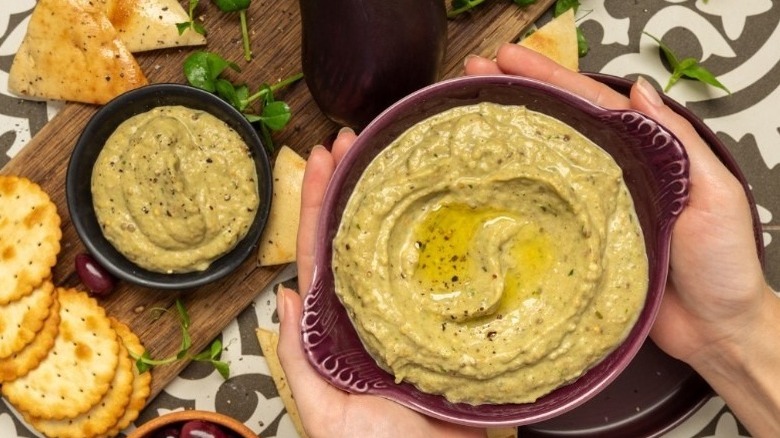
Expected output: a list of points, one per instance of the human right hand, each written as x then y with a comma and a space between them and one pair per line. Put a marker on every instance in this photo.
718, 314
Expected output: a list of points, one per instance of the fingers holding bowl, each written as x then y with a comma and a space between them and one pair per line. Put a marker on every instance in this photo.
319, 169
513, 59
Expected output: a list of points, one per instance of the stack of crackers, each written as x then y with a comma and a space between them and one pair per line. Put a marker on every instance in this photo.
82, 50
65, 365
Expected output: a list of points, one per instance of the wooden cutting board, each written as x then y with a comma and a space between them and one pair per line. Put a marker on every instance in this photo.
275, 30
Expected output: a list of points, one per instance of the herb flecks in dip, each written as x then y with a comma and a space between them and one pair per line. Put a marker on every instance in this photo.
174, 189
490, 254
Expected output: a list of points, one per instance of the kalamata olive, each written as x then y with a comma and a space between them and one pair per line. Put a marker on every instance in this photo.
99, 281
201, 429
360, 56
168, 432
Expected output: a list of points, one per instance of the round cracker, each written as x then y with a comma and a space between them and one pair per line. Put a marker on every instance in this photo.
78, 370
142, 382
20, 363
29, 236
21, 319
101, 417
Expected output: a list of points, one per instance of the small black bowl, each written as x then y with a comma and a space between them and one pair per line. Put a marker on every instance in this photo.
79, 176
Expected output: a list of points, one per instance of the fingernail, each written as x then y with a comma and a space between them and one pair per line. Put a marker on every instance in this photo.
281, 301
346, 130
648, 91
468, 58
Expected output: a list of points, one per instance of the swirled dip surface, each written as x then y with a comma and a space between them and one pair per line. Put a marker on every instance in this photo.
490, 254
174, 189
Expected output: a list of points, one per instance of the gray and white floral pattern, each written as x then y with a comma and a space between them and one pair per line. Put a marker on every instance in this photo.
739, 41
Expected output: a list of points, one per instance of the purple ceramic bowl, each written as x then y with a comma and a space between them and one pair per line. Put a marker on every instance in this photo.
655, 168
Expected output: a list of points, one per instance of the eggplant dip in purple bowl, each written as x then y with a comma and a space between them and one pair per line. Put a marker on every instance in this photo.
491, 254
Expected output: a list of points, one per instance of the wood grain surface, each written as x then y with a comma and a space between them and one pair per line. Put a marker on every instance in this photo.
275, 30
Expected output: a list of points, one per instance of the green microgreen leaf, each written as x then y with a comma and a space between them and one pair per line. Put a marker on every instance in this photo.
191, 23
583, 47
222, 368
703, 75
232, 5
145, 362
241, 7
524, 2
276, 115
184, 317
205, 69
686, 68
227, 91
212, 355
562, 6
461, 6
142, 362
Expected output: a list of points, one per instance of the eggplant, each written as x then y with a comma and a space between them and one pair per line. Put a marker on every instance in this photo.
360, 56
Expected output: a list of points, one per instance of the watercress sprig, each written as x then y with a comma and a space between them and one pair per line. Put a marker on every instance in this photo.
191, 23
241, 7
562, 6
144, 362
686, 67
461, 6
205, 70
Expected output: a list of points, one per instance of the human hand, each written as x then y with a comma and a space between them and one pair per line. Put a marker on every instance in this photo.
325, 410
718, 314
716, 286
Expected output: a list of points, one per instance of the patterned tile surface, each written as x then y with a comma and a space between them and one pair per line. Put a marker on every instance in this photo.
737, 41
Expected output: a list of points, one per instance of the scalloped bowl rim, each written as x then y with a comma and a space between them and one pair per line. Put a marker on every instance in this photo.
487, 414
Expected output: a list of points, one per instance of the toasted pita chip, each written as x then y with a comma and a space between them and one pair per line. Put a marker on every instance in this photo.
29, 237
278, 242
269, 340
141, 381
502, 432
72, 52
557, 40
20, 320
79, 368
19, 364
151, 24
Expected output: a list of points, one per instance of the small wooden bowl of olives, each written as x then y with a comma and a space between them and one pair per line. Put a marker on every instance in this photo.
193, 424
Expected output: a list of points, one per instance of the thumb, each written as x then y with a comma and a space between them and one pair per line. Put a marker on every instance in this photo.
705, 167
308, 387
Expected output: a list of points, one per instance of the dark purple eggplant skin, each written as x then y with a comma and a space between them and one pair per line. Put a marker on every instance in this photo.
361, 56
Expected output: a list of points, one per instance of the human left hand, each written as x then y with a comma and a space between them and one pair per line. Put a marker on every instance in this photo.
325, 410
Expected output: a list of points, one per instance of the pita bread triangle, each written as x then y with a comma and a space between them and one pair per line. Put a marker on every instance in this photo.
280, 236
72, 52
151, 24
557, 40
